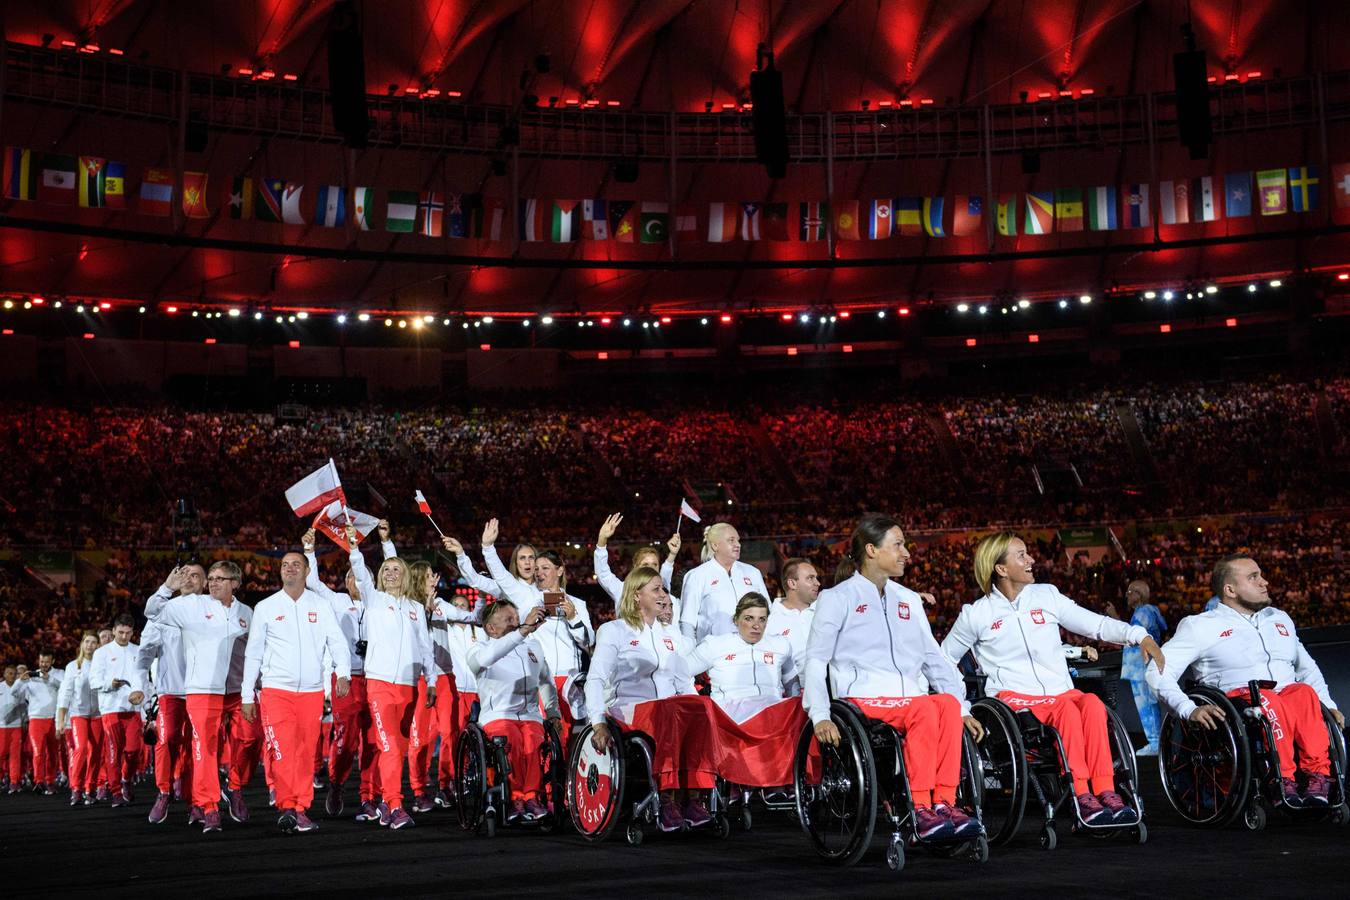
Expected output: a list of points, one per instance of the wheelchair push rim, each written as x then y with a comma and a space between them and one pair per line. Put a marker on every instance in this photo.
472, 784
1206, 774
1004, 771
838, 811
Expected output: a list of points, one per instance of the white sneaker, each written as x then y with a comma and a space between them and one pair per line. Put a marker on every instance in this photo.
1149, 750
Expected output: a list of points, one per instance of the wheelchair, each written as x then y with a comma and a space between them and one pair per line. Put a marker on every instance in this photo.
741, 800
1022, 759
864, 776
483, 790
1213, 777
617, 786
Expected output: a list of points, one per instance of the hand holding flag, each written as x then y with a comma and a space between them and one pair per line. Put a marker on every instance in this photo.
335, 519
425, 509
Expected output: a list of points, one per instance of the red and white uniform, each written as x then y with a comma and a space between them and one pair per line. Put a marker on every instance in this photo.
121, 719
214, 640
513, 680
162, 664
11, 731
613, 585
460, 639
398, 653
286, 649
439, 720
739, 670
41, 695
709, 596
878, 651
792, 625
1017, 645
1226, 649
78, 700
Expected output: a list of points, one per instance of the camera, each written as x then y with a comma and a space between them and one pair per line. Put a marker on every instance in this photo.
361, 648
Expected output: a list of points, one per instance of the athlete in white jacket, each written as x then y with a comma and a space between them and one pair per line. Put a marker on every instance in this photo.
711, 591
40, 688
293, 630
1245, 639
1013, 633
11, 729
114, 675
164, 647
76, 710
513, 681
745, 665
642, 556
872, 638
790, 615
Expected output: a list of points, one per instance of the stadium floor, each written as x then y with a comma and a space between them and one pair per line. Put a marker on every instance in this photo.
53, 850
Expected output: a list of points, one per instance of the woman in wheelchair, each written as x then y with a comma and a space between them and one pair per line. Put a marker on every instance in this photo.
513, 678
639, 678
746, 665
1013, 633
871, 636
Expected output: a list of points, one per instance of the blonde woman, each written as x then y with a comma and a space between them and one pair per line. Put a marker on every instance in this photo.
1013, 633
712, 590
398, 652
76, 707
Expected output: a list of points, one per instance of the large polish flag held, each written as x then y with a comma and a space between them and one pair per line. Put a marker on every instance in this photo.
315, 491
333, 519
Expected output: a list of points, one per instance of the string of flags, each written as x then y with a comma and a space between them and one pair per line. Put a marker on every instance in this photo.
97, 183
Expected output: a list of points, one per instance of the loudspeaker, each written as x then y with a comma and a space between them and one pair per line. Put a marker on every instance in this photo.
626, 171
770, 120
195, 135
347, 74
1192, 93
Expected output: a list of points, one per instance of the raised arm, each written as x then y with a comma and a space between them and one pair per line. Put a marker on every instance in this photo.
172, 585
365, 583
480, 583
386, 545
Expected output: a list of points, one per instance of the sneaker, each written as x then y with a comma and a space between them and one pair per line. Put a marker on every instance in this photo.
48, 790
1318, 792
211, 821
119, 800
963, 826
423, 803
534, 810
369, 812
1092, 811
320, 781
196, 815
386, 815
102, 793
332, 804
1121, 814
517, 810
286, 821
696, 813
400, 819
178, 789
930, 825
272, 798
1289, 788
303, 823
670, 819
1147, 750
76, 798
159, 813
445, 797
89, 800
238, 810
126, 791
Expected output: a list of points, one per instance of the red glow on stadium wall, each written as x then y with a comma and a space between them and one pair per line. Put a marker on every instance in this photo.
1165, 329
88, 335
792, 351
904, 310
292, 344
8, 331
848, 348
1230, 323
210, 340
603, 354
786, 317
970, 342
484, 346
726, 319
1033, 338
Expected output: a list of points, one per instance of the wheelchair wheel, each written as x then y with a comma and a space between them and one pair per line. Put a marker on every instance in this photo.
554, 765
970, 789
1122, 752
1003, 770
471, 762
1338, 759
838, 812
595, 786
1206, 775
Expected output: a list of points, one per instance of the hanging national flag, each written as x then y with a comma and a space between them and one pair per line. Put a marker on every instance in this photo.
241, 198
1101, 209
400, 215
967, 212
530, 219
811, 220
1303, 188
457, 214
688, 511
291, 197
430, 214
422, 505
1174, 202
271, 193
1134, 206
21, 174
776, 222
750, 221
846, 224
1340, 184
909, 215
686, 223
91, 187
880, 218
722, 221
654, 222
156, 192
594, 221
932, 217
623, 221
1203, 207
1274, 191
1040, 212
487, 218
564, 221
1006, 215
1069, 209
334, 518
58, 179
1237, 194
363, 207
115, 185
194, 195
331, 209
315, 491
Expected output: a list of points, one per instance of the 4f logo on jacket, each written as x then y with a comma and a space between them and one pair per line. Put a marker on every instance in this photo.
730, 657
903, 610
1228, 633
1038, 616
998, 623
862, 608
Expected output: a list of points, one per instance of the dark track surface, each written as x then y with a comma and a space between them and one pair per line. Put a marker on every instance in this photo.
51, 850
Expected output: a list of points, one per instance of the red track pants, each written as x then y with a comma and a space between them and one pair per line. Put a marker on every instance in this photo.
522, 750
122, 746
173, 750
11, 754
931, 726
1295, 715
1080, 720
46, 758
351, 738
216, 718
85, 749
391, 717
291, 723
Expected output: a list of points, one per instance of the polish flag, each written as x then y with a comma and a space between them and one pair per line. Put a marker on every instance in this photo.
315, 491
422, 505
332, 520
688, 511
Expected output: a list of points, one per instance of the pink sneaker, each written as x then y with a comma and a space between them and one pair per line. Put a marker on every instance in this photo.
196, 815
400, 819
159, 813
1318, 792
931, 825
696, 813
211, 821
1115, 805
670, 819
369, 812
1092, 811
963, 826
386, 815
304, 823
534, 810
238, 809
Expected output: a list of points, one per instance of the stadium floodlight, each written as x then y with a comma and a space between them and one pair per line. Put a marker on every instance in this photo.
1063, 304
1275, 282
1023, 303
1168, 295
1085, 299
341, 319
1212, 289
962, 307
548, 320
1149, 295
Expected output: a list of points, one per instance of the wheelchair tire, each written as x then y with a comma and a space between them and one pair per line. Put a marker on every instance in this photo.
1004, 774
1140, 833
490, 824
1049, 837
1340, 814
1337, 753
1254, 817
979, 851
1206, 775
595, 786
471, 762
838, 813
747, 820
721, 827
895, 856
632, 835
554, 763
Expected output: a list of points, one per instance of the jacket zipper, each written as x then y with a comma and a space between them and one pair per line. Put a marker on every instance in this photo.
1260, 637
1031, 659
890, 640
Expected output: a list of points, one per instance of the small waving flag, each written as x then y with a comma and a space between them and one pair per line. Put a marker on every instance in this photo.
316, 490
425, 509
334, 518
688, 511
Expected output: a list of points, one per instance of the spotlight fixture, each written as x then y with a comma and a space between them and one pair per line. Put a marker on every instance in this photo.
962, 307
1085, 299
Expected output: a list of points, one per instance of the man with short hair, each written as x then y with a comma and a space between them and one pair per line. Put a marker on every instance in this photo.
1245, 639
39, 690
1150, 618
291, 631
114, 675
790, 616
11, 730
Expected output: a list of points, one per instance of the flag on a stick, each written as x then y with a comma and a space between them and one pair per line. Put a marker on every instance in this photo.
315, 491
333, 519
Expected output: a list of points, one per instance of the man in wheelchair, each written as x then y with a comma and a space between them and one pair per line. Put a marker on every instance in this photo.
1243, 640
